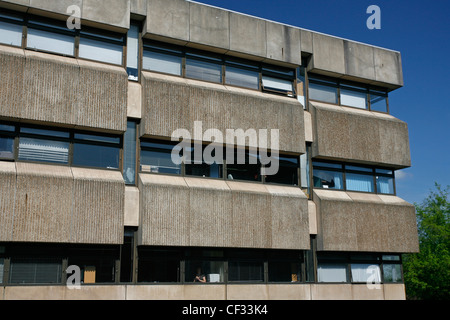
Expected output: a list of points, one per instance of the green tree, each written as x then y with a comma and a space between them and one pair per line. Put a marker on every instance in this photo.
427, 273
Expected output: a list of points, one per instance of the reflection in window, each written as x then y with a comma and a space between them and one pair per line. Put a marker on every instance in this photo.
51, 41
327, 179
96, 151
203, 70
101, 47
6, 147
378, 101
385, 184
162, 62
156, 157
129, 154
10, 33
322, 92
242, 77
353, 98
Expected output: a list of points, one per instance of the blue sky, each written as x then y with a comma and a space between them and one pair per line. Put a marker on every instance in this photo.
420, 30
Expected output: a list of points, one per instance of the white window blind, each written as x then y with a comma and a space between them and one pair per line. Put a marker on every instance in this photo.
332, 273
276, 84
10, 33
50, 41
43, 150
100, 51
160, 62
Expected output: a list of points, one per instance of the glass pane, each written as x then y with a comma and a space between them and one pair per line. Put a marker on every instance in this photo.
322, 93
205, 271
384, 171
210, 165
284, 271
100, 51
50, 41
392, 273
246, 271
203, 70
129, 153
304, 171
5, 127
245, 166
34, 149
92, 155
359, 182
378, 102
6, 147
161, 62
10, 33
327, 165
159, 159
332, 272
242, 77
327, 179
97, 264
367, 273
158, 265
287, 171
353, 98
385, 185
391, 258
98, 138
133, 46
357, 168
1, 269
44, 132
39, 270
270, 83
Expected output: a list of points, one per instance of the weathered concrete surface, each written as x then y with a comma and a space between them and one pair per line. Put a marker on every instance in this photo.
226, 213
350, 134
170, 103
352, 221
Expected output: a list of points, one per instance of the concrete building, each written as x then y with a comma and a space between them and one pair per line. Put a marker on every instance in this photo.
87, 179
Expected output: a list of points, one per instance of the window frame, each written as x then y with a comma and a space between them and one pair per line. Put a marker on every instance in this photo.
349, 86
224, 60
344, 170
17, 135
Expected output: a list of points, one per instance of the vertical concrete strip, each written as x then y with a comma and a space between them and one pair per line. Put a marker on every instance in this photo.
7, 199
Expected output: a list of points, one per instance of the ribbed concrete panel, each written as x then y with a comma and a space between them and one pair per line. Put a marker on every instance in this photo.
43, 203
7, 198
351, 134
12, 65
51, 88
171, 103
351, 221
164, 218
207, 212
36, 86
210, 213
102, 97
98, 206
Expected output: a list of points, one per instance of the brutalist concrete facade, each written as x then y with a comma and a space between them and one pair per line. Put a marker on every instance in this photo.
51, 204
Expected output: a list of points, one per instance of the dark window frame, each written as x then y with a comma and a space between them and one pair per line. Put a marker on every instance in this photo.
373, 173
224, 60
71, 140
346, 84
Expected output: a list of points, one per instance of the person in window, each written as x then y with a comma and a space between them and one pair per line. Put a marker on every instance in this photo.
200, 277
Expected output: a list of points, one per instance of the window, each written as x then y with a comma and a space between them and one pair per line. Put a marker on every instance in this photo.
60, 146
129, 152
43, 145
133, 52
284, 266
245, 165
221, 69
287, 171
97, 264
322, 90
11, 29
209, 166
2, 264
330, 175
101, 46
159, 265
162, 60
206, 264
7, 141
245, 76
157, 157
346, 93
35, 270
51, 36
98, 151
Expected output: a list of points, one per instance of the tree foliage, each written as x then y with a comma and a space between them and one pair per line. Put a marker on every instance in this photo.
427, 273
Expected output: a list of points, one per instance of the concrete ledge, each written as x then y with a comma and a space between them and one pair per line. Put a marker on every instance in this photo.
275, 216
206, 292
351, 134
351, 221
